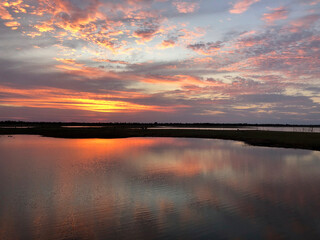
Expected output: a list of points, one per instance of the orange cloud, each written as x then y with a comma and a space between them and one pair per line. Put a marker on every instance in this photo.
108, 106
241, 6
65, 60
66, 20
66, 99
166, 44
45, 27
13, 25
83, 71
181, 81
4, 14
72, 67
15, 6
88, 24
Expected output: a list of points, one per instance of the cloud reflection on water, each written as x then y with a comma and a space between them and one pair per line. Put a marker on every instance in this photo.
155, 188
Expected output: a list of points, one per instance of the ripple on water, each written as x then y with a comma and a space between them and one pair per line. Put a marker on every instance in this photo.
151, 188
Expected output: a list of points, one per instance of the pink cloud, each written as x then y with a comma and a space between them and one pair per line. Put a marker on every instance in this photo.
241, 6
186, 7
310, 2
276, 14
304, 22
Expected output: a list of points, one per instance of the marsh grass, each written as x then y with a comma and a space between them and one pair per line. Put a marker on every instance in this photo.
301, 140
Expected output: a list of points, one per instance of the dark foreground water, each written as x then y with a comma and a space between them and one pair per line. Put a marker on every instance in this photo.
156, 188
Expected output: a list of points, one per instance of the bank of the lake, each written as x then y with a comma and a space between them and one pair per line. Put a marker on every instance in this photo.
301, 140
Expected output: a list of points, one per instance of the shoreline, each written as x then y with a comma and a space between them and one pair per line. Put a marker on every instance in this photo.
297, 140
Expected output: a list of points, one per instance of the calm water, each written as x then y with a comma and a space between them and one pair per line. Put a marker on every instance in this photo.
156, 188
260, 128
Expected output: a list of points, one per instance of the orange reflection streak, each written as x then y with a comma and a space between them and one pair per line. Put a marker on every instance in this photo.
88, 150
76, 159
109, 147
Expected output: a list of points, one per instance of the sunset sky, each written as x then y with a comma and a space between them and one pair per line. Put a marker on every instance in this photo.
255, 61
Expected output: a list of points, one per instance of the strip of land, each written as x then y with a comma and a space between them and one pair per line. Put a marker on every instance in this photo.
300, 140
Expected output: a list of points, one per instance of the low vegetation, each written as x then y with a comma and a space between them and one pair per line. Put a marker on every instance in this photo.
302, 140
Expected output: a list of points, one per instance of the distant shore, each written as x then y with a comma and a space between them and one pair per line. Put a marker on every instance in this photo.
299, 140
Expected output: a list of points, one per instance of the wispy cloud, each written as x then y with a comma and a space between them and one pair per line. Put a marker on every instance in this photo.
210, 48
186, 7
276, 14
241, 6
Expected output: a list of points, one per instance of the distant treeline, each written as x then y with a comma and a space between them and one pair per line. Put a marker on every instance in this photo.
154, 124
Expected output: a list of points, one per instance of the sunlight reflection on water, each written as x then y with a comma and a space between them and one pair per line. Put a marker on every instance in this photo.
156, 188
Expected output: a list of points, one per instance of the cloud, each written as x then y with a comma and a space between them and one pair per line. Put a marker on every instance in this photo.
303, 22
74, 68
4, 13
276, 14
241, 6
186, 7
66, 99
111, 61
44, 27
169, 43
146, 35
13, 25
310, 2
209, 48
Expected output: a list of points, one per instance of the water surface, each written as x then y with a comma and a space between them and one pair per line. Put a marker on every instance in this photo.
250, 128
156, 188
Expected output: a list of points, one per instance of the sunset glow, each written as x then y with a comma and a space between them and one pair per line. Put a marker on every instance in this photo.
250, 61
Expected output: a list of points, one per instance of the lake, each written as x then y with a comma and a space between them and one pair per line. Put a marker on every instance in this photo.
156, 188
249, 128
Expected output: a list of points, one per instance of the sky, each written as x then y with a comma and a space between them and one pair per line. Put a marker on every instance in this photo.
253, 61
